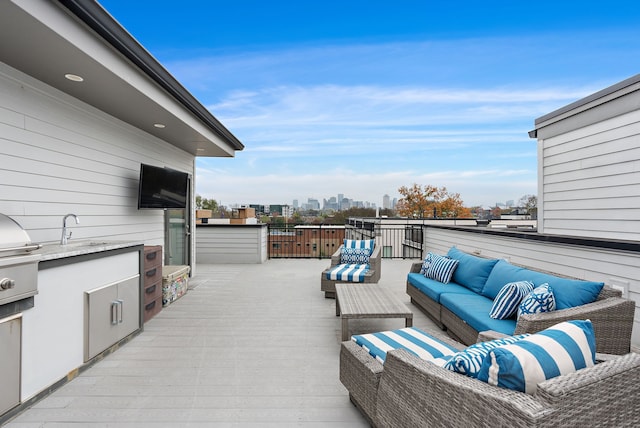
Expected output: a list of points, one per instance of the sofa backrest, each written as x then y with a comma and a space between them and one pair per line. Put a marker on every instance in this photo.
568, 292
472, 271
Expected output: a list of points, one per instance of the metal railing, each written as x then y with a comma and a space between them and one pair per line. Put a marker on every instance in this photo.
321, 241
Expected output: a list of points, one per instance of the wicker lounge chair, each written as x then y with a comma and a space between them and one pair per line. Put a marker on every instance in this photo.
372, 275
411, 392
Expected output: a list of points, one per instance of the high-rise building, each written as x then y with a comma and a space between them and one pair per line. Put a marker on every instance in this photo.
386, 202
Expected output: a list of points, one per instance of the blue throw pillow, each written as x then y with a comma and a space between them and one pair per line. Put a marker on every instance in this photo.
541, 299
558, 350
470, 360
360, 243
472, 271
355, 256
425, 264
441, 268
506, 302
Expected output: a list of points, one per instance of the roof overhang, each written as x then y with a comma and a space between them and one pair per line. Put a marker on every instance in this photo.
47, 40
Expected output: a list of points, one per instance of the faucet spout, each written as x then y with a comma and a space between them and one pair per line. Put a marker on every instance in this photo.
64, 239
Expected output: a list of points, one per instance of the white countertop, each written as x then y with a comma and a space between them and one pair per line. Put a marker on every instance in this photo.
79, 248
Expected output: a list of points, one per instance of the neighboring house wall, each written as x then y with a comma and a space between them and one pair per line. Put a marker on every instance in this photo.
618, 268
59, 156
589, 166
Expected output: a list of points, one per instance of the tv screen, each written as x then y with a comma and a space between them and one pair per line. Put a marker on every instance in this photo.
162, 187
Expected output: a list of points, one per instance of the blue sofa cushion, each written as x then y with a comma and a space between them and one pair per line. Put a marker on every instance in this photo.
433, 289
474, 310
558, 350
568, 293
472, 272
412, 339
348, 273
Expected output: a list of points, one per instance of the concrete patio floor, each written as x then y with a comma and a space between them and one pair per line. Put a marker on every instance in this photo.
247, 346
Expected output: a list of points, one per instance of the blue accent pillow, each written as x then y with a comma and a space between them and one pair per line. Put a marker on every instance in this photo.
568, 293
558, 350
355, 256
441, 268
472, 271
360, 243
470, 360
541, 299
425, 264
506, 302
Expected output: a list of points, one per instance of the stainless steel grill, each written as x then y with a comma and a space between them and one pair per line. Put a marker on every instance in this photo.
18, 266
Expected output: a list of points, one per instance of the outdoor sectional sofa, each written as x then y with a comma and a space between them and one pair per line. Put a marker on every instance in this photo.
462, 306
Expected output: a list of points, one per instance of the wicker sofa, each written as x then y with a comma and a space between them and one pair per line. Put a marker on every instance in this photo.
410, 392
328, 286
611, 315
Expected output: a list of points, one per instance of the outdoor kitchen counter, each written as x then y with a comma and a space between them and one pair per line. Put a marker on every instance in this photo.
51, 252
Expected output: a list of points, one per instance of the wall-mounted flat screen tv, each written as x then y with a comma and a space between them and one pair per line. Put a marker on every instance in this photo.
162, 187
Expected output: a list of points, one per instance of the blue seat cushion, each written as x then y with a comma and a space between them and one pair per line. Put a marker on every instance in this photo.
348, 273
474, 310
568, 293
472, 272
415, 341
433, 289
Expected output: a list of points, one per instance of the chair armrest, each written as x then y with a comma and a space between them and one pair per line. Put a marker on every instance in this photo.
415, 267
612, 321
416, 393
488, 335
335, 257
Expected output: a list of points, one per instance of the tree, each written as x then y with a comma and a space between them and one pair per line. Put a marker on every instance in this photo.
430, 202
528, 202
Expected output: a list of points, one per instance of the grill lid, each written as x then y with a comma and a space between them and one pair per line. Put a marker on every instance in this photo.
13, 238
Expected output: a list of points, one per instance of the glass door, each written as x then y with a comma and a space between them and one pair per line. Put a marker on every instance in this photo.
178, 234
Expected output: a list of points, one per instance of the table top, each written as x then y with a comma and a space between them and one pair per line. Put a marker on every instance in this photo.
369, 300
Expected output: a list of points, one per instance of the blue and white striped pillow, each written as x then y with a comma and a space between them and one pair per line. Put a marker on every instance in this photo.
360, 243
412, 339
441, 268
541, 299
469, 360
558, 350
355, 256
509, 297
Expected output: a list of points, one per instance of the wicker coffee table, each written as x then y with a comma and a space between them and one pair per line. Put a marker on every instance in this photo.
368, 301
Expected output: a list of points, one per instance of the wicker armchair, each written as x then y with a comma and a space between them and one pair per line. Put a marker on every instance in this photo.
416, 393
372, 276
611, 315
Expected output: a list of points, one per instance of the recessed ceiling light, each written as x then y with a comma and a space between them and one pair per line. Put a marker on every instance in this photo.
159, 125
200, 150
74, 77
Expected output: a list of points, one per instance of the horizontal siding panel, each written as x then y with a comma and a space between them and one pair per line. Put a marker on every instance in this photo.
605, 224
614, 179
630, 166
623, 215
617, 139
593, 204
612, 158
608, 192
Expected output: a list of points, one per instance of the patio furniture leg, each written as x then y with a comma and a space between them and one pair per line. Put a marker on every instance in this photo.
408, 321
345, 329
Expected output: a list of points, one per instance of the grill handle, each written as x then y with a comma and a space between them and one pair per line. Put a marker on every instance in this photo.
23, 248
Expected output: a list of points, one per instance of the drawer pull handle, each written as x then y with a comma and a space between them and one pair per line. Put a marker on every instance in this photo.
151, 272
152, 256
150, 306
151, 289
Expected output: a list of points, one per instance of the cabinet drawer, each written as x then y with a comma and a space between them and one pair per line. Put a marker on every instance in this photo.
152, 308
153, 291
152, 275
152, 256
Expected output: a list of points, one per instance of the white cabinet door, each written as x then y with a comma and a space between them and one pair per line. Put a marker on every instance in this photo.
112, 313
10, 339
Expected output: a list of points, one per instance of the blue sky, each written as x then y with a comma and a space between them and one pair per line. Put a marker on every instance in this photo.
362, 97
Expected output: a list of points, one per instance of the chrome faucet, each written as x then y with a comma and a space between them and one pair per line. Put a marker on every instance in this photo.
65, 238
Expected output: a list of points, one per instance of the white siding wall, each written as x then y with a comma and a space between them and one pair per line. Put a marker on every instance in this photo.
231, 244
59, 155
590, 180
616, 268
